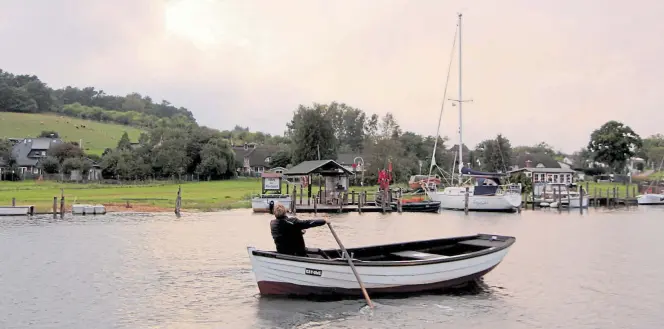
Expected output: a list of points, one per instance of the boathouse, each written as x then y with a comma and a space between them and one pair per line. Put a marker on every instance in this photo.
330, 176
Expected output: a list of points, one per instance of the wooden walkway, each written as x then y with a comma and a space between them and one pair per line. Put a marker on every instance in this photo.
337, 209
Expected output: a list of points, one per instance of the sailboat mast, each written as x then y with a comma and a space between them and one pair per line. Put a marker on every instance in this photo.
460, 103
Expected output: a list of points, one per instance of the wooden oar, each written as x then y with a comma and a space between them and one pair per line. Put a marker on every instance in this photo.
352, 266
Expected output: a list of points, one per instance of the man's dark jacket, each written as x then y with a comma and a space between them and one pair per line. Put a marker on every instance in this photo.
287, 234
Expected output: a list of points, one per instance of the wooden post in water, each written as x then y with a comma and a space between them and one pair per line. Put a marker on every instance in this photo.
359, 203
608, 196
465, 202
178, 201
615, 200
13, 202
315, 205
533, 193
399, 201
352, 197
595, 196
62, 203
634, 191
581, 199
55, 207
341, 202
294, 201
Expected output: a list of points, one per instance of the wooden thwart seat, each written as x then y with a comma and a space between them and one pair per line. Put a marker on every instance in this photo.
417, 255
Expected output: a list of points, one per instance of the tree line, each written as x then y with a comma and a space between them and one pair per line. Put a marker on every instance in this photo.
28, 94
174, 144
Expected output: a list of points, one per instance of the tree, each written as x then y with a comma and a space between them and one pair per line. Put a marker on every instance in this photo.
124, 143
65, 151
50, 165
281, 159
495, 154
613, 144
312, 132
49, 134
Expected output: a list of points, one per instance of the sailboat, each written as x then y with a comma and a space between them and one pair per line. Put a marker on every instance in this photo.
652, 198
487, 192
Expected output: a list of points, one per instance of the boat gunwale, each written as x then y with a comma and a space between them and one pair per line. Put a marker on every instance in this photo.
508, 242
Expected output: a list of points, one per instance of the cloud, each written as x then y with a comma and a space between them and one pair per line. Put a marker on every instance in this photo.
536, 71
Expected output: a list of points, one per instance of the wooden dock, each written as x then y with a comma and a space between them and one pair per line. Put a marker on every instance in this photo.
340, 209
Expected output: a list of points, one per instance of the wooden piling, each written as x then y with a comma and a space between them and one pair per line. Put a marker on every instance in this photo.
62, 203
55, 207
615, 199
13, 202
359, 203
581, 199
315, 205
608, 196
465, 202
533, 193
594, 196
400, 201
341, 202
352, 197
178, 201
568, 198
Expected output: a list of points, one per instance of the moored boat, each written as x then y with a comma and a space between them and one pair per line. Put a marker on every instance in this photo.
409, 267
270, 194
650, 199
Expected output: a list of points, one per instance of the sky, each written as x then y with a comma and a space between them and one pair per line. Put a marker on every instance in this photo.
535, 70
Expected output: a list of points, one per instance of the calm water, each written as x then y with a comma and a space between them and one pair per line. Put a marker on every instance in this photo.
602, 269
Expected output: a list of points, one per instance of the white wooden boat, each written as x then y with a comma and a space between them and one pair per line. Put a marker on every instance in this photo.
411, 267
87, 209
548, 194
17, 210
650, 199
266, 201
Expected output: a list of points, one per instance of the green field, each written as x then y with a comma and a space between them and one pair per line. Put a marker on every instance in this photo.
96, 136
203, 196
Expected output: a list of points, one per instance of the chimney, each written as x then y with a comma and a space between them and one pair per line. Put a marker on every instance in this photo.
529, 164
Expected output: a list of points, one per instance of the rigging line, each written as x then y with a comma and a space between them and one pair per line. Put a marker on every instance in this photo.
442, 107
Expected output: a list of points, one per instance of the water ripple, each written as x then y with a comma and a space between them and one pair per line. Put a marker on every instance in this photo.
155, 270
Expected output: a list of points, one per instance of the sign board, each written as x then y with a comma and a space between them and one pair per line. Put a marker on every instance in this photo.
271, 183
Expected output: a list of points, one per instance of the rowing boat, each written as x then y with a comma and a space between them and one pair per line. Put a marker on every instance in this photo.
409, 267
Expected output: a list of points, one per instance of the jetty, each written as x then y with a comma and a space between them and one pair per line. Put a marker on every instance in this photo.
333, 193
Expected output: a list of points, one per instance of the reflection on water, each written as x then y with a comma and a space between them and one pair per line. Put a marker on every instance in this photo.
571, 270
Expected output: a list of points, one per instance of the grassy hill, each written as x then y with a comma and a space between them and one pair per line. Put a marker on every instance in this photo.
96, 136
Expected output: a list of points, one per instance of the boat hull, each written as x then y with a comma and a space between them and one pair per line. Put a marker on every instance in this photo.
278, 276
650, 199
262, 205
422, 206
16, 210
456, 201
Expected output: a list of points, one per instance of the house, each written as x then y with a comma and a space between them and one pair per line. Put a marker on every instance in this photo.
255, 159
542, 168
548, 175
29, 151
537, 160
94, 174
